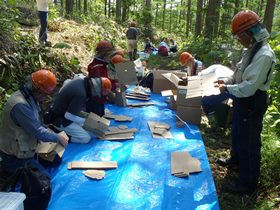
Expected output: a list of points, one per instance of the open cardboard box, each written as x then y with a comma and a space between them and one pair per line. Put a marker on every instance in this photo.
162, 83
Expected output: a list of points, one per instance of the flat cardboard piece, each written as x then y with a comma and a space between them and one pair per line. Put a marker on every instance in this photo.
94, 174
153, 128
182, 164
190, 114
141, 104
92, 165
121, 136
94, 122
120, 118
126, 73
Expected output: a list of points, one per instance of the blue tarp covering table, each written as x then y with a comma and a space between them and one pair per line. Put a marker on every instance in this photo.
143, 178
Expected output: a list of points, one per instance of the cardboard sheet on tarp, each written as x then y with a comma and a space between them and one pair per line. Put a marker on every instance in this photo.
142, 179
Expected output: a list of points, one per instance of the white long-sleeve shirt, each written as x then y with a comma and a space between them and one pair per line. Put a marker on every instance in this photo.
257, 75
43, 5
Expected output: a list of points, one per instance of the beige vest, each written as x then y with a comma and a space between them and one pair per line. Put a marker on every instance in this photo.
13, 139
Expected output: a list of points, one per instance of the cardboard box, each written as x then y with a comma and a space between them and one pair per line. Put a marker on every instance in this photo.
126, 73
190, 114
162, 83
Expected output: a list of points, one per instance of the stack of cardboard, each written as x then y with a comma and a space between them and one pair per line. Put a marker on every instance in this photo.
160, 130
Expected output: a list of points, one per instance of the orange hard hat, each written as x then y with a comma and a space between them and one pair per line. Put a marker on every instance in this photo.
185, 58
132, 24
120, 52
104, 46
44, 81
244, 20
106, 86
117, 59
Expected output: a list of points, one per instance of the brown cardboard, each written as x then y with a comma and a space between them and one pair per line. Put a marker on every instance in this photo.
94, 174
190, 114
92, 165
48, 150
94, 122
126, 73
182, 164
153, 125
140, 104
161, 83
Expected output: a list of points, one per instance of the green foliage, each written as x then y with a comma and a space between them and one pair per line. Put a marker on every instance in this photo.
222, 51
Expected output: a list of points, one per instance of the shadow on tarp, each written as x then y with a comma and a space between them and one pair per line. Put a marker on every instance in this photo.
142, 179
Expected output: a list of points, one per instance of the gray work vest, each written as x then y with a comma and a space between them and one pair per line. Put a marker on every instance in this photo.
13, 139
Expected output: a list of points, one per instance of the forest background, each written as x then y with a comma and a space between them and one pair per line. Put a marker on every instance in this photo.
201, 27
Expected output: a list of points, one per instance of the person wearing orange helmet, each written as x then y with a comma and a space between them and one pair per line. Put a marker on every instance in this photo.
193, 66
132, 34
21, 127
71, 102
100, 67
248, 88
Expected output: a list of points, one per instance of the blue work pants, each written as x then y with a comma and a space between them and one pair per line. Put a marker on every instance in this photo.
246, 136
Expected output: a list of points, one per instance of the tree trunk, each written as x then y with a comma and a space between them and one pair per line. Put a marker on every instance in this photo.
170, 17
118, 10
109, 8
69, 8
156, 16
188, 20
85, 7
163, 14
269, 13
105, 7
237, 6
124, 11
198, 22
212, 19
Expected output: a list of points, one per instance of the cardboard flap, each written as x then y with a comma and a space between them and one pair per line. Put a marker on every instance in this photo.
172, 78
126, 73
167, 93
94, 122
45, 147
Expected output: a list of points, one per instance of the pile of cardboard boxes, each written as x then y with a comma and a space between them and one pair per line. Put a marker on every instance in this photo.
185, 97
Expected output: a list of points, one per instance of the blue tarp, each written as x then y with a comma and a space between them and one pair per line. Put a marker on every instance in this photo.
143, 178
